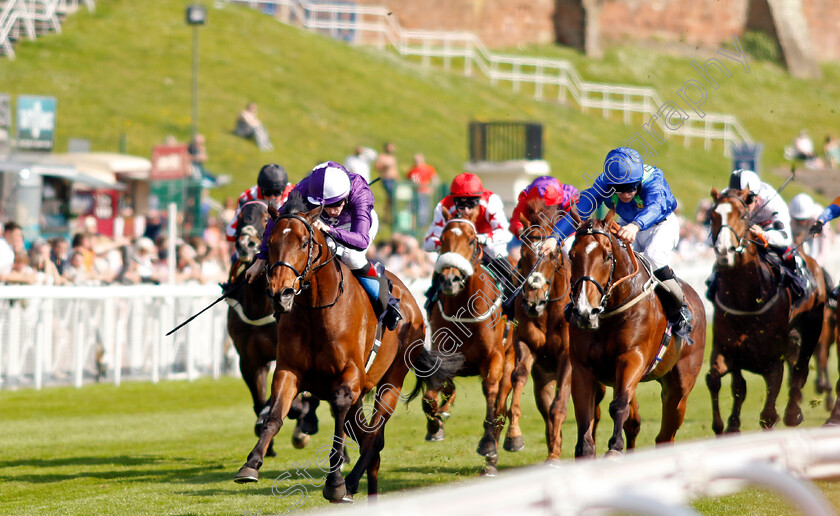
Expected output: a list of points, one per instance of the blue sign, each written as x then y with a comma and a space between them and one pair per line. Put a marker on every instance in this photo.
35, 122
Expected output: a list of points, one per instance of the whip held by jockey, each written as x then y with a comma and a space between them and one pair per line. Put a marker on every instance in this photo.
350, 224
645, 205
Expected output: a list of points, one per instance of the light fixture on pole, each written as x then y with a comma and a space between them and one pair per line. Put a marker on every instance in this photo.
196, 16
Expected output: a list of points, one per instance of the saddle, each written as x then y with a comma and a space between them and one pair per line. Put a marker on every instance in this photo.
792, 273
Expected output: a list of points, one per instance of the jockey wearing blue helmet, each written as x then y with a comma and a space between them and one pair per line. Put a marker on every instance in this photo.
645, 206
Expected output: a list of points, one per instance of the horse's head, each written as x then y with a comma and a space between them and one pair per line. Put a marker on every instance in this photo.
295, 248
250, 225
460, 253
593, 264
538, 221
730, 224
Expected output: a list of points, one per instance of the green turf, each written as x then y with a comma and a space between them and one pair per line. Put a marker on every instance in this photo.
173, 448
126, 69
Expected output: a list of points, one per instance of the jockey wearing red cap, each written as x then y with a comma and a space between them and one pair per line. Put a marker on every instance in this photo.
466, 195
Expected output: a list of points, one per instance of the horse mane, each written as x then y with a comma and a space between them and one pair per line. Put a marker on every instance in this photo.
295, 203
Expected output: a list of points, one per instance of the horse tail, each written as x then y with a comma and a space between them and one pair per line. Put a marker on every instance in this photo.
432, 368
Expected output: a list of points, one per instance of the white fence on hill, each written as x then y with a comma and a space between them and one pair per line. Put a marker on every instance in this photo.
33, 17
661, 481
551, 79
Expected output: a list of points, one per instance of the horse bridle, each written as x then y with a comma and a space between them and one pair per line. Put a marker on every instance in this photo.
477, 251
301, 276
606, 292
740, 238
550, 282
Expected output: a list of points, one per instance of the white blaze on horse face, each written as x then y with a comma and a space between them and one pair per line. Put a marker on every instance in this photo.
591, 247
457, 231
286, 230
583, 306
724, 243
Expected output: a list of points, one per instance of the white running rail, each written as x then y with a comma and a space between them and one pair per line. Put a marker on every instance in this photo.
27, 13
73, 335
551, 79
660, 481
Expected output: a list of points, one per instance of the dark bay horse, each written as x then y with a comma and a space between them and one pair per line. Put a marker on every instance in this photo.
618, 337
328, 325
468, 318
754, 318
251, 325
541, 332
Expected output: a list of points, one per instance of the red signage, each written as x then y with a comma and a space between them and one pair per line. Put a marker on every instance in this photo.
170, 162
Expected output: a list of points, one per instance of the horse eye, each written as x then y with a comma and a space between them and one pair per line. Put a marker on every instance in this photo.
304, 243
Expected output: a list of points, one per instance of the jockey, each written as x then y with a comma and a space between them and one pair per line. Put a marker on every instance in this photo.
645, 206
548, 189
350, 224
803, 213
272, 186
827, 215
770, 222
465, 195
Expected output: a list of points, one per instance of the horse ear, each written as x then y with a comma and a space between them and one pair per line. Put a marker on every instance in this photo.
609, 217
524, 220
715, 193
573, 211
272, 211
313, 214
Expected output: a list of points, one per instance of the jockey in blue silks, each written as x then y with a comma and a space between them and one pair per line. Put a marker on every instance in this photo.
350, 224
645, 206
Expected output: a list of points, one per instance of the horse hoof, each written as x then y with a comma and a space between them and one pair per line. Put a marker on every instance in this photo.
487, 447
613, 454
348, 498
445, 415
299, 439
336, 494
489, 471
553, 463
440, 435
514, 444
246, 475
832, 422
793, 418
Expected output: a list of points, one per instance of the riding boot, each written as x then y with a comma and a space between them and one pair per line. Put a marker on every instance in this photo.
432, 295
712, 285
377, 286
796, 275
673, 299
502, 271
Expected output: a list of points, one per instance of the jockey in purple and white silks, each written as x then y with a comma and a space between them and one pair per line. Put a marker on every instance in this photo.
350, 224
645, 207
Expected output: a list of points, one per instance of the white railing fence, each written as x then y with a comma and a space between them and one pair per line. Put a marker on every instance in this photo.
660, 481
550, 79
28, 14
75, 335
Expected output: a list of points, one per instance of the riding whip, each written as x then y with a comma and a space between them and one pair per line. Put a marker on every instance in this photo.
208, 307
788, 180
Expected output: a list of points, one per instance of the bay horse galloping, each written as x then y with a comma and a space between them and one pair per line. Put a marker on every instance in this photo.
754, 317
620, 336
251, 326
468, 318
541, 333
329, 348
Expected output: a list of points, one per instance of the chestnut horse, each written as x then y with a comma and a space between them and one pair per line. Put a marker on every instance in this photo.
619, 337
468, 318
541, 333
328, 328
754, 318
251, 326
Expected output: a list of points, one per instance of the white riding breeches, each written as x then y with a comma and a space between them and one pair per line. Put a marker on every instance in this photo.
657, 243
351, 257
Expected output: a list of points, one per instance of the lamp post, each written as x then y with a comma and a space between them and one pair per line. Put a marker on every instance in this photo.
196, 16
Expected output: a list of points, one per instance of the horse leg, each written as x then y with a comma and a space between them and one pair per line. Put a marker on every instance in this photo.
504, 392
584, 387
739, 394
284, 388
448, 395
773, 379
717, 370
491, 375
519, 376
434, 424
674, 400
629, 370
544, 388
341, 403
810, 329
561, 387
633, 425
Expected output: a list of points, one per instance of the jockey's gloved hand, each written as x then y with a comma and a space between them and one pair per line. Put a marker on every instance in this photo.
481, 238
817, 228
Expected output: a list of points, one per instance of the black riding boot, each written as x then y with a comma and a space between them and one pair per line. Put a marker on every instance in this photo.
712, 285
378, 288
673, 299
503, 271
432, 295
796, 277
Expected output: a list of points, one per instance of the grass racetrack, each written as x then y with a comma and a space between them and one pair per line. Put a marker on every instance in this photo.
174, 447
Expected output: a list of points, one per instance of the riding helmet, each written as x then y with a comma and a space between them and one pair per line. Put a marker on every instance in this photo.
466, 185
330, 183
803, 207
742, 179
623, 166
272, 178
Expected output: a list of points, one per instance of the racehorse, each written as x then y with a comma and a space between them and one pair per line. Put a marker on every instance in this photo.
620, 336
754, 317
251, 326
541, 332
468, 318
330, 348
